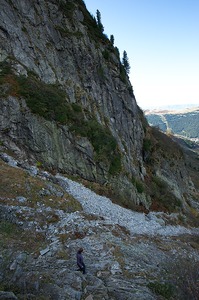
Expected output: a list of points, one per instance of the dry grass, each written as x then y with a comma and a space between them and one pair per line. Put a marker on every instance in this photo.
15, 182
19, 239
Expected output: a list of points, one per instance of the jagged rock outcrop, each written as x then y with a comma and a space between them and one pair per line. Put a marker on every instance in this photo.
84, 120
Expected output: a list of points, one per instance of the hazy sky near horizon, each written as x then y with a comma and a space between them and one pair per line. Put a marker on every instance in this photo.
161, 38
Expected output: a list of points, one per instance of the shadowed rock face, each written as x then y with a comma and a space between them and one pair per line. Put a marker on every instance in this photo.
58, 43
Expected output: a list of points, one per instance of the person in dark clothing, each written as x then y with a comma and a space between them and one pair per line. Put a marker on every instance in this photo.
80, 261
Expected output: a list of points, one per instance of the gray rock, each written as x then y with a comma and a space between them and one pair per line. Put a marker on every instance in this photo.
44, 251
7, 296
13, 266
21, 199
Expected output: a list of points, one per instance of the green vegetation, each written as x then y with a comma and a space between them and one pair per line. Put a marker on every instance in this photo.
67, 7
112, 39
162, 196
7, 228
100, 72
186, 124
49, 101
15, 182
46, 100
156, 120
125, 62
164, 145
102, 140
164, 289
139, 187
147, 145
138, 184
122, 73
115, 166
99, 22
95, 29
106, 54
5, 69
67, 33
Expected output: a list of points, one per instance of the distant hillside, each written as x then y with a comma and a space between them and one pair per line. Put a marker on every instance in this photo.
182, 122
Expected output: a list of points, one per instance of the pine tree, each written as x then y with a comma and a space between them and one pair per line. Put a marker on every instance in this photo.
112, 39
125, 62
99, 23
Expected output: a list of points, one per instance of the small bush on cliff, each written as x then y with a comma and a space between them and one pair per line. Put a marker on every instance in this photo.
146, 145
67, 8
164, 289
138, 184
102, 140
8, 84
165, 145
115, 166
47, 100
162, 196
5, 69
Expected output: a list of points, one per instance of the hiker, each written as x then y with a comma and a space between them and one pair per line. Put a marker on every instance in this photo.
80, 261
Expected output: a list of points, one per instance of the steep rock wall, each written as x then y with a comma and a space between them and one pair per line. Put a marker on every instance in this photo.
57, 43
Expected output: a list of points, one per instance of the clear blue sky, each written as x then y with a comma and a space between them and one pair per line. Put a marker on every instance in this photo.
161, 38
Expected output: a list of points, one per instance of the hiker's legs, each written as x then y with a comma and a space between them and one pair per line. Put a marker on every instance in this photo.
83, 268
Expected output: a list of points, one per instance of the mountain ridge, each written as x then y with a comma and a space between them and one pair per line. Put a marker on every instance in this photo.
171, 111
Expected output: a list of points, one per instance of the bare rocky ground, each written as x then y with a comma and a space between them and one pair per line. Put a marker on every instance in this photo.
45, 218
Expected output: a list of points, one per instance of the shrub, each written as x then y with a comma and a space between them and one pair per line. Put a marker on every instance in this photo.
106, 54
138, 184
67, 33
115, 166
100, 72
165, 144
139, 187
164, 289
5, 69
46, 100
67, 7
102, 140
160, 193
7, 228
38, 164
147, 145
8, 83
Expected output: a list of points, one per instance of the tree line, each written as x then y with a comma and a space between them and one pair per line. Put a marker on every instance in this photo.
125, 60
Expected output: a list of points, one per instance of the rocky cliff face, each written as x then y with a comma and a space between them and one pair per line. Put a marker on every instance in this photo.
67, 103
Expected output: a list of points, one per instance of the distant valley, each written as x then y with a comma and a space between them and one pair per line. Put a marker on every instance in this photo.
183, 123
183, 126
